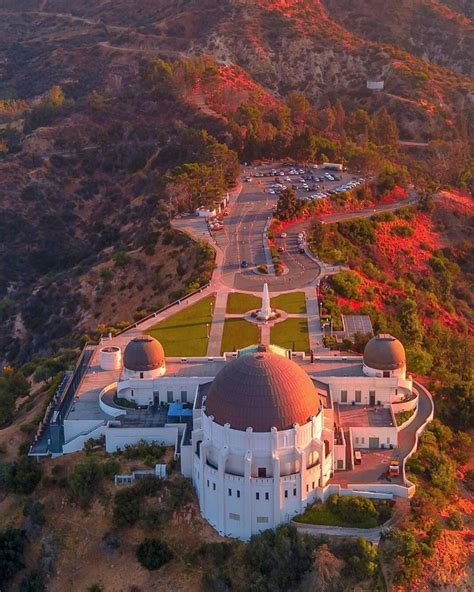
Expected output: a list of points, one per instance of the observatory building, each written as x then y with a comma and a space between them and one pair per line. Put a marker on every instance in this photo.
262, 432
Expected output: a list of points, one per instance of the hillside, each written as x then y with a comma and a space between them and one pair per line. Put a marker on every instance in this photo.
83, 186
424, 28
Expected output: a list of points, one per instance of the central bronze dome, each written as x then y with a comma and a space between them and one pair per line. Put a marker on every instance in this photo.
262, 390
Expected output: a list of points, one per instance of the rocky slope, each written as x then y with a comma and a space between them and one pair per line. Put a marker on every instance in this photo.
79, 189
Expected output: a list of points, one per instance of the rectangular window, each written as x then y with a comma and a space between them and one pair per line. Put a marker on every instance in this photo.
257, 496
357, 439
238, 492
340, 464
358, 395
214, 486
286, 492
208, 482
230, 492
388, 440
132, 393
386, 374
343, 396
141, 374
184, 396
294, 491
234, 516
312, 485
371, 398
267, 496
169, 396
362, 440
262, 519
307, 488
262, 472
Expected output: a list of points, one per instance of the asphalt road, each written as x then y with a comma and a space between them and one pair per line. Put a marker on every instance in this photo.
294, 229
242, 240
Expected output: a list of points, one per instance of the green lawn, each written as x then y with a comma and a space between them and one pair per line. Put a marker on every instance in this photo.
291, 334
293, 303
239, 333
238, 303
185, 333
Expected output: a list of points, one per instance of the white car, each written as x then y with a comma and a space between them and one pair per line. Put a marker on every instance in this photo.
283, 235
271, 191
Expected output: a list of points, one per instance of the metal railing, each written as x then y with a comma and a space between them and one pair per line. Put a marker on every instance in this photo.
159, 311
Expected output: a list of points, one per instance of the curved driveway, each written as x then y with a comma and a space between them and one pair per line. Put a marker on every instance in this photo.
242, 240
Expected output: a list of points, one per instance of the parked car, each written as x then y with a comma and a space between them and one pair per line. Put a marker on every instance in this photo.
244, 264
283, 235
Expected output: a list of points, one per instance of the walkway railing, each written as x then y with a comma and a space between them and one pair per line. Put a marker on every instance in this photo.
159, 311
59, 407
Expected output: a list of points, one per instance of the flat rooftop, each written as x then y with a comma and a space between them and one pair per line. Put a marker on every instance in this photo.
357, 324
362, 416
86, 401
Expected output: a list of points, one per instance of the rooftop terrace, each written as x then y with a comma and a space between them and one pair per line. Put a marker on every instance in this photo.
361, 416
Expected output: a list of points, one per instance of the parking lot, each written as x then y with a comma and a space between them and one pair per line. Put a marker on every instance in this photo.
310, 183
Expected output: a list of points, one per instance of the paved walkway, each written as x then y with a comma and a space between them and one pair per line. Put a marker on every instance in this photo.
407, 437
315, 330
265, 334
217, 325
371, 534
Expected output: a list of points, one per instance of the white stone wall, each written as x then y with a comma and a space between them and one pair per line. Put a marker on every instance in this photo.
145, 391
387, 390
119, 437
399, 372
234, 498
75, 427
386, 436
145, 375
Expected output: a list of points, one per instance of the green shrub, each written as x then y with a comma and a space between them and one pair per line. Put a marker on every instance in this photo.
277, 559
403, 416
21, 476
153, 554
346, 284
34, 510
403, 231
144, 449
455, 520
121, 259
365, 560
84, 481
33, 582
126, 510
12, 547
122, 402
403, 553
